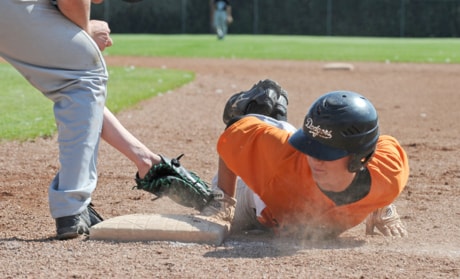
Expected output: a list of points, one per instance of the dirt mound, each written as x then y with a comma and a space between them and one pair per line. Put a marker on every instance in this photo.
416, 103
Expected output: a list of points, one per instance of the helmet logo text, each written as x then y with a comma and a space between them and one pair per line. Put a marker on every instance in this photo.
317, 131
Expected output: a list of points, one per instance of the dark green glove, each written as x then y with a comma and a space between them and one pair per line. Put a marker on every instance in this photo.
170, 179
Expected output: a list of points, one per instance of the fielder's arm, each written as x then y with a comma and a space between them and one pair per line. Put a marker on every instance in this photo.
115, 134
77, 11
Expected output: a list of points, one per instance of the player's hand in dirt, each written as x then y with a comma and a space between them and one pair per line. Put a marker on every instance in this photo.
220, 210
387, 221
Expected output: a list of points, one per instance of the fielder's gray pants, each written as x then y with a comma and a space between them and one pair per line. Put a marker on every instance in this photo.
64, 63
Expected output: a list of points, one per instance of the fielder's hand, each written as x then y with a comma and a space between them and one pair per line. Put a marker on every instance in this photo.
387, 221
100, 32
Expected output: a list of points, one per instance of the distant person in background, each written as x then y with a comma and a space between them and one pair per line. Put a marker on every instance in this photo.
221, 15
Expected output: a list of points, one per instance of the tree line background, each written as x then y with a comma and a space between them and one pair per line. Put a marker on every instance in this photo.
382, 18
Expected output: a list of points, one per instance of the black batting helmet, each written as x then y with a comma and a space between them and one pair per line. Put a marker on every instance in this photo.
339, 124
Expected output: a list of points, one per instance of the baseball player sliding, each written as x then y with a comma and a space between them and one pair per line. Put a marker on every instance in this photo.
315, 182
318, 181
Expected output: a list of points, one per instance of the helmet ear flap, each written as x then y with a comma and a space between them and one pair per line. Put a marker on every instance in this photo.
359, 161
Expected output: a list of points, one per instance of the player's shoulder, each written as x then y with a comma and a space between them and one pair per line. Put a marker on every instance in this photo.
387, 140
274, 122
390, 152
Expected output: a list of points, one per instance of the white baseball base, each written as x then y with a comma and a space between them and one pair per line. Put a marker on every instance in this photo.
338, 66
159, 227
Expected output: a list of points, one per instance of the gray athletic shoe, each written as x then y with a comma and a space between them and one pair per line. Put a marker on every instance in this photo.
69, 227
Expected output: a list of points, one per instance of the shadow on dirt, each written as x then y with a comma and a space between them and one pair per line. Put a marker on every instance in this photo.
13, 242
262, 246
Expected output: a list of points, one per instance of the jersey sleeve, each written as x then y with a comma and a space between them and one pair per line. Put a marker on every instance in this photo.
389, 170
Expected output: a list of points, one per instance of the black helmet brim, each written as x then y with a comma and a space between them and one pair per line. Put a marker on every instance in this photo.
313, 148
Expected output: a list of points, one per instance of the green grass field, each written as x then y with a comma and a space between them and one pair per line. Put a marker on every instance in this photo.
290, 47
26, 114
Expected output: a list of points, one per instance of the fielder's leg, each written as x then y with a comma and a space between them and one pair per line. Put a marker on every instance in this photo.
64, 63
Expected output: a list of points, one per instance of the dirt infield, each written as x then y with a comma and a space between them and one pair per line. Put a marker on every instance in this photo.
417, 103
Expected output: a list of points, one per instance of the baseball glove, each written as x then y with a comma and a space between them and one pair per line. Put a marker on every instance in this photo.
266, 98
169, 178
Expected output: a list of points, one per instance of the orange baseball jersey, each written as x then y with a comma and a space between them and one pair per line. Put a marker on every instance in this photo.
280, 175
